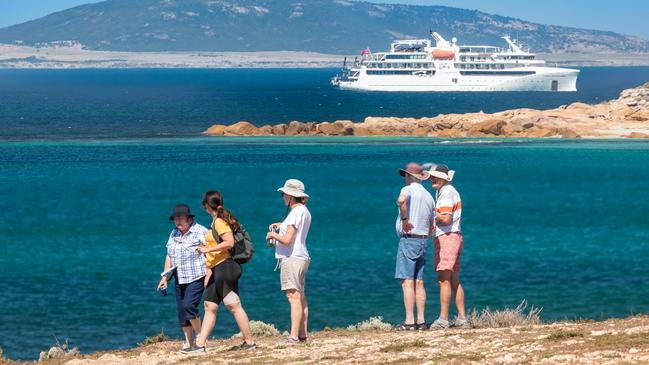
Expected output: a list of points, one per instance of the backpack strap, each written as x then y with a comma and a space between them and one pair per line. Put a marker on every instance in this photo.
215, 234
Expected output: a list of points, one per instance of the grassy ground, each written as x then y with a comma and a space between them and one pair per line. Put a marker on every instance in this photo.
609, 342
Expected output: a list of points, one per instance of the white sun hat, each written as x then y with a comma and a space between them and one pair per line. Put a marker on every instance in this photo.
440, 171
293, 187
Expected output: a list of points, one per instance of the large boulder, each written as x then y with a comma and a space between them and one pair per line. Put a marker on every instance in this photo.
241, 129
296, 128
265, 130
336, 128
279, 129
489, 126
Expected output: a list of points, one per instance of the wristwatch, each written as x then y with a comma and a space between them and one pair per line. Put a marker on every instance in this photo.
404, 219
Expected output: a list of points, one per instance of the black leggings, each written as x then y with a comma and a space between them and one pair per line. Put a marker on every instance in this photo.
225, 279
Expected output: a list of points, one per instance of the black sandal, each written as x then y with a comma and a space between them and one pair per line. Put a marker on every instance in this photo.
422, 326
406, 327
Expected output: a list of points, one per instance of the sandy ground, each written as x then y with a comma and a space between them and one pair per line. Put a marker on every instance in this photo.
15, 56
613, 341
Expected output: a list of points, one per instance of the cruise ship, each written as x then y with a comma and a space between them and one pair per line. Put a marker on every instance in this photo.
417, 65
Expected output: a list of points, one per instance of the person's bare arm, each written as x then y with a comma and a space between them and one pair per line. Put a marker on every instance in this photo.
402, 202
286, 238
163, 280
444, 218
227, 242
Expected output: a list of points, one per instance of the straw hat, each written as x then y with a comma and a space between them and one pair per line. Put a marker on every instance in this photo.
414, 170
442, 172
293, 188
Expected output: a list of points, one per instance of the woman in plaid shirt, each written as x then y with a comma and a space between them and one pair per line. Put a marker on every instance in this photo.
182, 254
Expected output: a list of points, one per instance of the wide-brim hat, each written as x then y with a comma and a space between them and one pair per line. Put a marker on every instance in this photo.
442, 172
414, 170
181, 210
294, 187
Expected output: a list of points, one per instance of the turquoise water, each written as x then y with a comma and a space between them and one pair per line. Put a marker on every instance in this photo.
559, 223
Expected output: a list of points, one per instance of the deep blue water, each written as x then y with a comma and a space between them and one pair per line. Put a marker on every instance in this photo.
70, 104
559, 223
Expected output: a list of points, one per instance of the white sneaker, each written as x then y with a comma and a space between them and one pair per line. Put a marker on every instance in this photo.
460, 323
440, 324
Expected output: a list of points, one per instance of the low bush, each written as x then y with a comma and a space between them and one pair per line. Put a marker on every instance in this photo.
508, 317
371, 324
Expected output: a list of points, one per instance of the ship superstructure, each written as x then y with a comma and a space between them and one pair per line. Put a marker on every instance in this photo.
418, 65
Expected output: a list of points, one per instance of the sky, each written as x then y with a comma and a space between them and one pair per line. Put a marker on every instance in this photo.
622, 16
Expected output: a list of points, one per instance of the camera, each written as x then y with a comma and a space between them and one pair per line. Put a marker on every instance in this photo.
272, 242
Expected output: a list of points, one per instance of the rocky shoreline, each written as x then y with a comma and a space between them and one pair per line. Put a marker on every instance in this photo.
625, 117
612, 341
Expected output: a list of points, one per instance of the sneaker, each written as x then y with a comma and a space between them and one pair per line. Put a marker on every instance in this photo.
244, 346
186, 347
288, 341
194, 350
460, 323
440, 324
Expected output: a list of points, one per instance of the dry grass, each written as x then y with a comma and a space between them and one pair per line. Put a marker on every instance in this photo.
563, 334
402, 346
371, 324
508, 317
160, 337
260, 329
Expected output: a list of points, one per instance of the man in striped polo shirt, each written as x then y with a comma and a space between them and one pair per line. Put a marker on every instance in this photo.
448, 247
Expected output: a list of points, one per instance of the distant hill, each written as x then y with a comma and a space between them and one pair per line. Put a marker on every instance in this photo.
328, 26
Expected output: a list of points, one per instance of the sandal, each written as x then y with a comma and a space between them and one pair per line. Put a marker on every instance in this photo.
406, 327
422, 326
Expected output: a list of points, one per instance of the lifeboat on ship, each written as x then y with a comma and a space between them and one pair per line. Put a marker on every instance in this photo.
440, 54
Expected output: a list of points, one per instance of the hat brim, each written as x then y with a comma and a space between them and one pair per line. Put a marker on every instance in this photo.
293, 193
423, 176
440, 175
180, 215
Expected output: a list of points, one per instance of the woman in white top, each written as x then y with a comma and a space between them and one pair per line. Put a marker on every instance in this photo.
293, 256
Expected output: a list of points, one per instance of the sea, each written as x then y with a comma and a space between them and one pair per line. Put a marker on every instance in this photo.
93, 161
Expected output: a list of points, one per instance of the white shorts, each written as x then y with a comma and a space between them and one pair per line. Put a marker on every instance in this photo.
293, 273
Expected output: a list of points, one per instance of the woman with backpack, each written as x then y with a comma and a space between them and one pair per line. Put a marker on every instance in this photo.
223, 284
293, 256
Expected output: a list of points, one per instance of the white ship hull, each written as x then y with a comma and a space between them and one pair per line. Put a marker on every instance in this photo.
543, 79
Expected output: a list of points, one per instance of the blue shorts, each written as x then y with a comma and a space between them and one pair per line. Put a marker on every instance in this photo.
188, 297
411, 258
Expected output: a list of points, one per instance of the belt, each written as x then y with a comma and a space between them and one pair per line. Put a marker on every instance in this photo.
413, 236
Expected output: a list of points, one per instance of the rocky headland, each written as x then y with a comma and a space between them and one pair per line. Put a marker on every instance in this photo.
613, 341
625, 117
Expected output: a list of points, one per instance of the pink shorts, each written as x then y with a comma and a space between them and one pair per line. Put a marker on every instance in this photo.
448, 248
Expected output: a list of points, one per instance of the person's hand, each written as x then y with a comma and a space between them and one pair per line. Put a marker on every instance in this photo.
201, 249
407, 226
273, 226
206, 280
270, 235
163, 283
